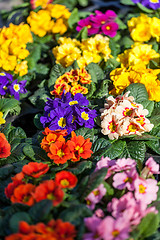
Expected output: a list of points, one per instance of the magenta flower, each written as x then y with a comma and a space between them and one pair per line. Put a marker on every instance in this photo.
87, 23
110, 29
146, 190
125, 179
114, 229
102, 18
152, 166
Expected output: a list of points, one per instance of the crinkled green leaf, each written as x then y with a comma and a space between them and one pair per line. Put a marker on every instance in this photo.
138, 91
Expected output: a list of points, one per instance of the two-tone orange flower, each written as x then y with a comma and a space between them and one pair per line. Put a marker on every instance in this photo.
35, 169
5, 147
79, 147
66, 179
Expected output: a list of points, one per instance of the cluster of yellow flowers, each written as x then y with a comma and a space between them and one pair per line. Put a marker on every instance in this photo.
52, 19
138, 53
13, 50
73, 82
142, 28
93, 49
123, 77
37, 3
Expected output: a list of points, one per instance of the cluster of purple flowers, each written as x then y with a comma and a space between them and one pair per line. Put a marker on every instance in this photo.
67, 112
11, 86
100, 23
154, 4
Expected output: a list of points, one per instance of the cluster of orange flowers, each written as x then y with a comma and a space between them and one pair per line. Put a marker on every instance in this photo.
71, 82
5, 147
54, 229
21, 190
61, 150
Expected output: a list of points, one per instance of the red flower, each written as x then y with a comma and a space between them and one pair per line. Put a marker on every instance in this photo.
60, 153
66, 179
18, 177
49, 190
24, 194
35, 169
5, 147
80, 147
25, 228
9, 190
65, 230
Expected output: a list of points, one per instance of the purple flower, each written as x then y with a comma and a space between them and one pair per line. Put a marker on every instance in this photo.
5, 79
154, 4
85, 117
87, 23
110, 29
15, 88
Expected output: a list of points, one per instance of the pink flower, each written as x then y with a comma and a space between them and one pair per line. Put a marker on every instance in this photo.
125, 179
111, 229
110, 29
125, 164
152, 166
146, 190
87, 23
91, 224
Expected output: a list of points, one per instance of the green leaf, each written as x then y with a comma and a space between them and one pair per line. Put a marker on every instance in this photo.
155, 117
83, 3
16, 218
83, 34
115, 150
39, 98
144, 9
127, 42
138, 91
8, 105
115, 47
74, 18
75, 214
16, 133
35, 153
56, 72
149, 105
42, 69
95, 71
37, 122
148, 225
95, 179
40, 211
6, 170
91, 89
120, 23
103, 89
81, 167
85, 132
127, 2
154, 145
100, 145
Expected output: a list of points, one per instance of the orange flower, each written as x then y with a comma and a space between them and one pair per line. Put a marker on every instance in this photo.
66, 179
77, 88
25, 228
52, 137
5, 147
59, 88
9, 190
85, 78
60, 153
49, 190
15, 236
24, 194
18, 177
65, 230
80, 147
35, 169
58, 132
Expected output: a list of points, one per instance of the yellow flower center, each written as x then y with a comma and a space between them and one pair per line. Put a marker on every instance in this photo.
73, 119
141, 121
16, 87
50, 196
154, 1
128, 179
73, 103
96, 192
80, 149
60, 153
2, 74
62, 122
64, 182
5, 88
112, 126
88, 202
142, 188
128, 112
89, 26
108, 27
132, 127
103, 22
84, 116
115, 233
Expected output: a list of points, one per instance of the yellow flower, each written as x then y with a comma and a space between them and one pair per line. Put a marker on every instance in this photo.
42, 3
79, 89
59, 26
21, 68
2, 121
141, 33
58, 11
155, 28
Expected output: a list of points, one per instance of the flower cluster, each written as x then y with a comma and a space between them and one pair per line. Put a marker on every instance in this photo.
10, 86
71, 82
138, 53
127, 211
123, 77
153, 4
54, 229
37, 3
5, 147
21, 190
100, 23
13, 40
68, 113
142, 28
123, 117
93, 49
52, 19
60, 150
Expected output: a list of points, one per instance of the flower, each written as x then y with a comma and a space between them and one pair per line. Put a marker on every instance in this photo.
110, 29
2, 120
153, 4
37, 3
92, 223
113, 229
49, 190
23, 193
35, 169
5, 147
146, 190
87, 22
16, 88
79, 147
152, 166
66, 179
